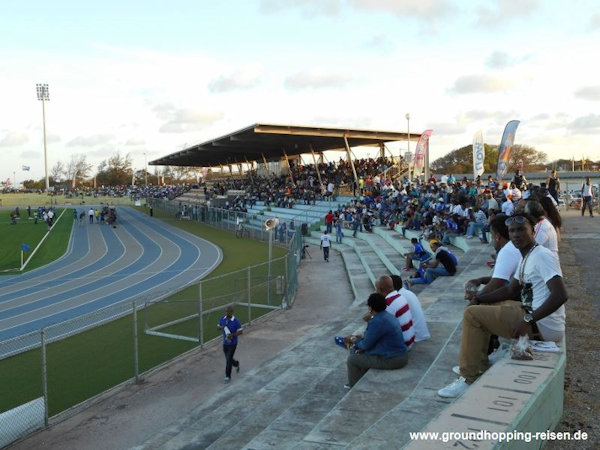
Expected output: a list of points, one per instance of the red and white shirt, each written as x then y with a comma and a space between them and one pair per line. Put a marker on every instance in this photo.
398, 306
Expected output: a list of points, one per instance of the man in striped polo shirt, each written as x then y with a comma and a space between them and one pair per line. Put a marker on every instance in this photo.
398, 306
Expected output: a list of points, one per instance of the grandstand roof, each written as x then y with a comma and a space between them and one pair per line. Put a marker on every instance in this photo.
272, 141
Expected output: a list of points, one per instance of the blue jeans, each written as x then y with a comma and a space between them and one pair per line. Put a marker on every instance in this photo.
587, 201
473, 228
339, 234
329, 227
430, 275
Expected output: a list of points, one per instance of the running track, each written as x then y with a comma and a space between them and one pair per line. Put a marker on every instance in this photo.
141, 258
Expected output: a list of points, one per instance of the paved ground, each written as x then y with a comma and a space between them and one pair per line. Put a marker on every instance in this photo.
104, 266
133, 414
580, 260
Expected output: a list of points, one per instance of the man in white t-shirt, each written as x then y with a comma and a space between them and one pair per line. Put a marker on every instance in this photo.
586, 194
508, 206
325, 245
418, 317
541, 314
507, 261
397, 305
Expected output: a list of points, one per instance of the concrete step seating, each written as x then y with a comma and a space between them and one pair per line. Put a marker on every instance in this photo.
296, 400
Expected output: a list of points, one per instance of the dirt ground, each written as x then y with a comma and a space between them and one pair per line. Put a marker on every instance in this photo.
579, 261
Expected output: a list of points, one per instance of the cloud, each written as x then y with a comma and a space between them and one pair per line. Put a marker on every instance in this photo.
505, 11
589, 93
540, 117
53, 138
474, 115
163, 110
31, 154
13, 139
186, 120
316, 80
91, 141
135, 141
589, 124
424, 9
238, 80
484, 84
308, 8
446, 128
379, 42
595, 22
339, 121
501, 60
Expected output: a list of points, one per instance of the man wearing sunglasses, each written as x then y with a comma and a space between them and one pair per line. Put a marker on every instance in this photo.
540, 314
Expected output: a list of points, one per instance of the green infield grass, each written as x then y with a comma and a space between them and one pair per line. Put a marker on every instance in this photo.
91, 362
26, 231
34, 200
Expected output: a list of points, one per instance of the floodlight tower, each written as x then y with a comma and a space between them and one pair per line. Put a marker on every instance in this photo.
43, 94
408, 145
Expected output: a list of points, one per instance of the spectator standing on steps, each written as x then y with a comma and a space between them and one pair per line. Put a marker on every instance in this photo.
329, 221
586, 194
325, 245
232, 328
553, 184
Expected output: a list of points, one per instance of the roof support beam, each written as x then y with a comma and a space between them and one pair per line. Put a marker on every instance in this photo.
317, 168
350, 159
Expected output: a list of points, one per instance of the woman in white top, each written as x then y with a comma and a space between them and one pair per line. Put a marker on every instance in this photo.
544, 231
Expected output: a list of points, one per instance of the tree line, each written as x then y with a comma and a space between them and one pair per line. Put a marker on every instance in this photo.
115, 170
522, 156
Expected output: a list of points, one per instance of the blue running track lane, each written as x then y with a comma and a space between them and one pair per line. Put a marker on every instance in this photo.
104, 266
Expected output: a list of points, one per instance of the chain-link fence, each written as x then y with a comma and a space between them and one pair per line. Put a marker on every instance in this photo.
244, 224
45, 374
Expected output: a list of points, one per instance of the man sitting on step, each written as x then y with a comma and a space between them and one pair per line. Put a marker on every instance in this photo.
443, 265
418, 317
540, 314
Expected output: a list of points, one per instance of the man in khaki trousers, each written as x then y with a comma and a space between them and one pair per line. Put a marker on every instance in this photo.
540, 313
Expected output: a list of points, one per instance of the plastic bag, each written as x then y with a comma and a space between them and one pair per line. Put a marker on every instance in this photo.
522, 349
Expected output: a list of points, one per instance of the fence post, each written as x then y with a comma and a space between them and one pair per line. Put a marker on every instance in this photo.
44, 376
286, 280
136, 362
200, 316
249, 281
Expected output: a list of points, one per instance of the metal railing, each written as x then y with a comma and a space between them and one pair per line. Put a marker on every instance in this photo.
51, 373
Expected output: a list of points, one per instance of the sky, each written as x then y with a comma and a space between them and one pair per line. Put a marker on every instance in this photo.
148, 78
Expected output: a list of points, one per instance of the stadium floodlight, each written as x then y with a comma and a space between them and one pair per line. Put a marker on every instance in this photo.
408, 146
43, 95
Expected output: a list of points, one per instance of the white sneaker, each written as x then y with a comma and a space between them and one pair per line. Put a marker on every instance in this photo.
456, 370
227, 379
455, 389
496, 356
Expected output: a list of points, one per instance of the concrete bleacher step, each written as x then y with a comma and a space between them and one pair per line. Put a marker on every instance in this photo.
286, 396
360, 282
296, 399
429, 368
394, 239
388, 254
